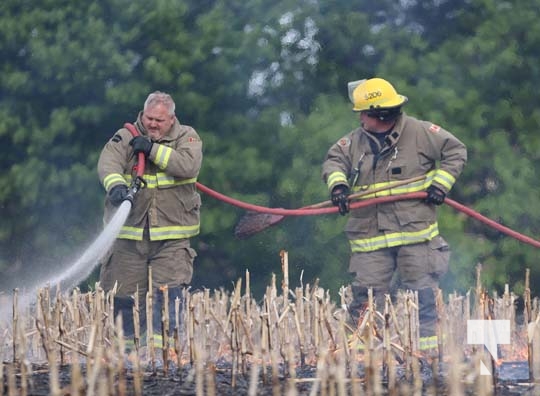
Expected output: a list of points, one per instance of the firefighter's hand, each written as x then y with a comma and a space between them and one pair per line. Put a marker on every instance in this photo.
118, 194
435, 195
141, 144
340, 198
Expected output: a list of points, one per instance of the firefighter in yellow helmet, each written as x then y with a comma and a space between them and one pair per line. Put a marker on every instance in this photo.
401, 236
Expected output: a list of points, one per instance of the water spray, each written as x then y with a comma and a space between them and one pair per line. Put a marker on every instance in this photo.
83, 267
92, 257
100, 248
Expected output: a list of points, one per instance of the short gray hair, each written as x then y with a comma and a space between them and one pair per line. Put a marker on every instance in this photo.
158, 97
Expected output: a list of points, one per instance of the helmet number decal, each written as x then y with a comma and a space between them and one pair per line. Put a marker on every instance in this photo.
372, 95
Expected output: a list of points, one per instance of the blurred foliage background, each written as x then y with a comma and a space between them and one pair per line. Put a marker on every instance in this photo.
265, 85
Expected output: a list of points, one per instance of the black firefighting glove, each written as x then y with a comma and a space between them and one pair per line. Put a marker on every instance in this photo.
340, 198
435, 195
141, 144
118, 194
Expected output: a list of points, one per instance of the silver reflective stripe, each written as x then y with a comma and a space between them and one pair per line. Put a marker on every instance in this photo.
444, 179
173, 232
416, 186
133, 233
161, 179
394, 239
162, 156
111, 179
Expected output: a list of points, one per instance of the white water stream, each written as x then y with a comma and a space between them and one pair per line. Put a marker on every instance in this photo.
83, 267
77, 272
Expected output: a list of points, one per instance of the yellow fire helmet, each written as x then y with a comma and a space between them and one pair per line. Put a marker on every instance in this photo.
376, 94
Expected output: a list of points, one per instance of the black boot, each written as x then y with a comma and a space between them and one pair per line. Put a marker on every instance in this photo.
174, 292
358, 305
124, 305
156, 311
427, 312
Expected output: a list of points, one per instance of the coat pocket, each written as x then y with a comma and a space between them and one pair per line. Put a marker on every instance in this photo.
192, 203
439, 256
358, 228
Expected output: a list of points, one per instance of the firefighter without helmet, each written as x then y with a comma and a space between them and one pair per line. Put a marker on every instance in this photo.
376, 93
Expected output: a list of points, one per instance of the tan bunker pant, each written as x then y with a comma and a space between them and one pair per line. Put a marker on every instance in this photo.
172, 266
418, 267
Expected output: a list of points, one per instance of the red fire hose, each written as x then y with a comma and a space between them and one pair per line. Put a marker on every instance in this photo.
138, 182
368, 202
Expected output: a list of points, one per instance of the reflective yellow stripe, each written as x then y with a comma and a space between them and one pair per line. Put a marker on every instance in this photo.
426, 343
444, 178
113, 178
336, 178
173, 232
162, 156
160, 233
394, 239
435, 176
133, 233
416, 186
158, 341
161, 179
165, 180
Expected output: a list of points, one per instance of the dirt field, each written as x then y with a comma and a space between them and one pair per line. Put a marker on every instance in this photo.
218, 380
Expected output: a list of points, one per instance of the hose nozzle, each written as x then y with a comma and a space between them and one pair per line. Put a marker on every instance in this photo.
130, 196
136, 185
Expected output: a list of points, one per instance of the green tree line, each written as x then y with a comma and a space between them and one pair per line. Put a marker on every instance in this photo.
265, 85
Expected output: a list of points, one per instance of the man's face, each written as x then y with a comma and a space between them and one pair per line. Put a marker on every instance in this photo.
157, 121
368, 123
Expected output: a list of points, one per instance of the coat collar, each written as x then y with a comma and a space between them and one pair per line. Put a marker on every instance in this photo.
393, 137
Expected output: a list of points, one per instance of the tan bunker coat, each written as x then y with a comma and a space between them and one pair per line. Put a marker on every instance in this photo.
169, 203
165, 212
412, 148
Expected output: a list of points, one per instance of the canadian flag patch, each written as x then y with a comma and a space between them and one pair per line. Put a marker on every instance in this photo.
434, 128
344, 142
